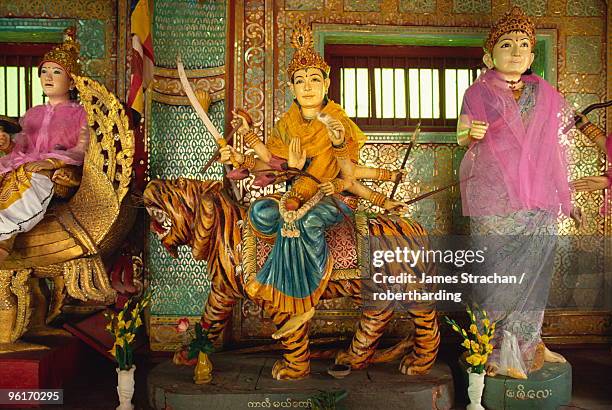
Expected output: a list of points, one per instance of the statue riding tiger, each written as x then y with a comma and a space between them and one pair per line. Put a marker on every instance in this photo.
200, 215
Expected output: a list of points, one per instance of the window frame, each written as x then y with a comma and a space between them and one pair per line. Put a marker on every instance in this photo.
26, 55
406, 57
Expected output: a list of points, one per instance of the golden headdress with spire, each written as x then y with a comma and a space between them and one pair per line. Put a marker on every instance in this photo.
514, 20
65, 54
305, 55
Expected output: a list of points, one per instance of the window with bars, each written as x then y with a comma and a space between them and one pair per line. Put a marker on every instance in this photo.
20, 88
392, 88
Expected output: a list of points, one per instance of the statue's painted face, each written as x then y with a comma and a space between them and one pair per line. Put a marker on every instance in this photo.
512, 54
309, 87
54, 80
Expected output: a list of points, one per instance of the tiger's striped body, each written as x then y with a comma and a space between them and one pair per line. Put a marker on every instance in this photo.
198, 214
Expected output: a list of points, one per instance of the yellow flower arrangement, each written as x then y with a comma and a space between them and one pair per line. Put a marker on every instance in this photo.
476, 343
123, 327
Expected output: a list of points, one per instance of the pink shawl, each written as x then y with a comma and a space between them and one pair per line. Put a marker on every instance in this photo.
49, 132
521, 163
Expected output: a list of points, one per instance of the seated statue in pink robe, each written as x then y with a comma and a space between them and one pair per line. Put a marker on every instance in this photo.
53, 136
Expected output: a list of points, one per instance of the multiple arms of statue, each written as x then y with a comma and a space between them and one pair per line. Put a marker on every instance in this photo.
597, 136
350, 173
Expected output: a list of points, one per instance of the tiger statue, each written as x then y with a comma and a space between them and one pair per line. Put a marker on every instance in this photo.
199, 214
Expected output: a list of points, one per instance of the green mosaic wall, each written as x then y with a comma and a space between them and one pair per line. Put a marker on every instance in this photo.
472, 6
179, 144
193, 28
532, 7
362, 5
417, 6
304, 5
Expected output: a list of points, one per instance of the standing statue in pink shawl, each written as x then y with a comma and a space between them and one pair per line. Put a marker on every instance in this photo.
515, 185
53, 136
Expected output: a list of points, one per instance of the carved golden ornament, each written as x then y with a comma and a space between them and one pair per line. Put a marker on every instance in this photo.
21, 289
514, 20
305, 55
14, 306
65, 54
111, 149
167, 87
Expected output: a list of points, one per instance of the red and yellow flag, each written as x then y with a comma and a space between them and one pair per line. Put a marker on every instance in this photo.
142, 54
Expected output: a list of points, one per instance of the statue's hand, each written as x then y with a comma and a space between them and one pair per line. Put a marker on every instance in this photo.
583, 120
577, 216
37, 166
203, 98
395, 206
336, 186
335, 129
401, 173
66, 176
5, 140
241, 123
478, 129
229, 153
297, 156
587, 184
327, 188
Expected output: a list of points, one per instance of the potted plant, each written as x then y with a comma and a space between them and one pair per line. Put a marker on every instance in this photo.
476, 342
199, 346
123, 326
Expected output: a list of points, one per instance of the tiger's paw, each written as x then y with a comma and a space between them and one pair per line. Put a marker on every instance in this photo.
356, 362
410, 367
283, 370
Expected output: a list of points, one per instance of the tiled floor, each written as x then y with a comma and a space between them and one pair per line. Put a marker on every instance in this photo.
592, 381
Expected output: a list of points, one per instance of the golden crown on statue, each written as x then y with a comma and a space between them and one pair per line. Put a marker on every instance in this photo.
514, 20
65, 54
305, 55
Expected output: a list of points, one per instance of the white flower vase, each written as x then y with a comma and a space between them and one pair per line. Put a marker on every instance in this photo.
125, 388
475, 389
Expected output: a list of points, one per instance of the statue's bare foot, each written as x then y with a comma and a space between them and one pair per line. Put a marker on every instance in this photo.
491, 369
283, 370
553, 357
293, 324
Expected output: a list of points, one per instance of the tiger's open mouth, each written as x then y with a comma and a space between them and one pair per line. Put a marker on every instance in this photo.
161, 223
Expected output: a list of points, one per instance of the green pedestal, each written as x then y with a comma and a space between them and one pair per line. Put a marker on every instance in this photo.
245, 381
548, 388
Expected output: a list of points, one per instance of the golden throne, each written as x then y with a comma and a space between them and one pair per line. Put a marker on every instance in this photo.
78, 237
